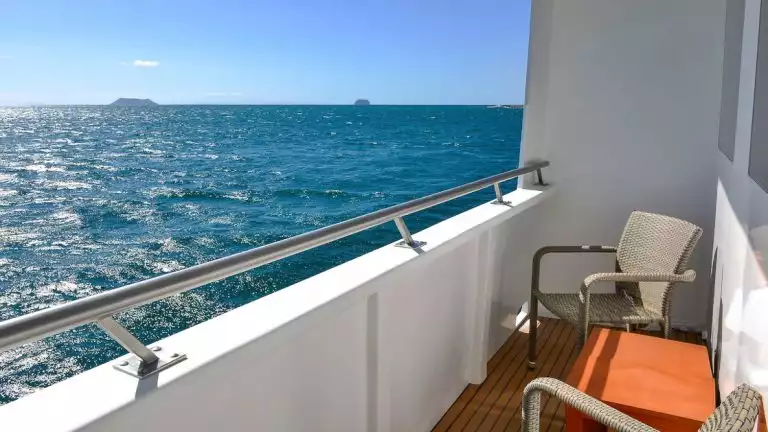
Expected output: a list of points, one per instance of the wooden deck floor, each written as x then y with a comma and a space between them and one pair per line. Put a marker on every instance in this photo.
495, 404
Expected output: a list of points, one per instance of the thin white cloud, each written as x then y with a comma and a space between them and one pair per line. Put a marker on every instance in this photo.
146, 63
236, 94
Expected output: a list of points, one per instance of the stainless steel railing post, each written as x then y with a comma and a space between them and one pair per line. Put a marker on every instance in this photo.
499, 194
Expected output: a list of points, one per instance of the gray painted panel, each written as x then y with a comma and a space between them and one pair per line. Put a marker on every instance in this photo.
758, 153
734, 31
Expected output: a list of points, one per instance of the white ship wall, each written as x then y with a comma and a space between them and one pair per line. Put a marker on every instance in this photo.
740, 255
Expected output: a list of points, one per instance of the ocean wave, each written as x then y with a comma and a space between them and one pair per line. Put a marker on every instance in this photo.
308, 193
108, 168
48, 200
240, 196
67, 217
188, 209
206, 241
43, 168
166, 266
139, 214
9, 235
8, 178
222, 220
67, 185
152, 151
168, 192
170, 245
61, 287
46, 248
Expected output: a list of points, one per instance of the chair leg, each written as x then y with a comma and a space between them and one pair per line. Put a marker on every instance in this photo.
582, 330
666, 327
533, 320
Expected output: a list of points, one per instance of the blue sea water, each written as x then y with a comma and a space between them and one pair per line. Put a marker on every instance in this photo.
93, 198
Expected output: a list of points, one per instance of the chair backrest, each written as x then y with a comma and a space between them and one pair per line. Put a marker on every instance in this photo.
737, 413
654, 243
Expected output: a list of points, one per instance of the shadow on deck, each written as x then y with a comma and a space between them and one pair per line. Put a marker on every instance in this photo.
495, 404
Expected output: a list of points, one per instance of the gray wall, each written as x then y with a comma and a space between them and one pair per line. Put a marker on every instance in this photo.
731, 73
758, 151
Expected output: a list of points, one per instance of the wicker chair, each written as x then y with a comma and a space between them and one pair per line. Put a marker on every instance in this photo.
737, 413
651, 258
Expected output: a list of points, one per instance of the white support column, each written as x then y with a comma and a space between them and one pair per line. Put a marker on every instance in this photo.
479, 308
378, 371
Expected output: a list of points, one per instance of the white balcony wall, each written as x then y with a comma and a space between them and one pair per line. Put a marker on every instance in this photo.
623, 97
739, 319
385, 342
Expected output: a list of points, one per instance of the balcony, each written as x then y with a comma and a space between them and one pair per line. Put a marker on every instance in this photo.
626, 100
396, 334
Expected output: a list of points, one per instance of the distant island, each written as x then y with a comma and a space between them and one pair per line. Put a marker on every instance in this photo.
507, 106
128, 102
362, 102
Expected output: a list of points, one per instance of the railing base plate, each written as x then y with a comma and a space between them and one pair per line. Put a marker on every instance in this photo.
414, 245
132, 365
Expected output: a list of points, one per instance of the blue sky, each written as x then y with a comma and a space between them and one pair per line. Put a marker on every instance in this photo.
264, 51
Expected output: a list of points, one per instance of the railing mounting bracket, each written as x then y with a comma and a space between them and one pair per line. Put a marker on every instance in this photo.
144, 362
136, 368
408, 241
415, 244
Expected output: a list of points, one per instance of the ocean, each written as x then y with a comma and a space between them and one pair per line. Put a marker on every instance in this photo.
96, 197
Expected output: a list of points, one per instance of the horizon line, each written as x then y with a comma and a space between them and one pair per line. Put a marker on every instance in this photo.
516, 105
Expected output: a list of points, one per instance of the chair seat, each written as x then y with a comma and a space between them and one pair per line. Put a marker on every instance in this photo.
604, 308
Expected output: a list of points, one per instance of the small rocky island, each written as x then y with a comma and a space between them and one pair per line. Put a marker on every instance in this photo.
128, 102
362, 102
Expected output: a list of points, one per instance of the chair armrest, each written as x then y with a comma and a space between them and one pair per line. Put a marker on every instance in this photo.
536, 270
687, 276
586, 287
588, 405
574, 249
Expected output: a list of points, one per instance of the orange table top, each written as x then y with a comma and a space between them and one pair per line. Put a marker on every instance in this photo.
646, 375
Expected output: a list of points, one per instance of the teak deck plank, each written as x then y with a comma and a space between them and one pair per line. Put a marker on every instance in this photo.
495, 404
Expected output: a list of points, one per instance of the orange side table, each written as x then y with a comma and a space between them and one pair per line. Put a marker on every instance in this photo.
663, 383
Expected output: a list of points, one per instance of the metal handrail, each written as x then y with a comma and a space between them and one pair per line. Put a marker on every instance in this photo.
100, 307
